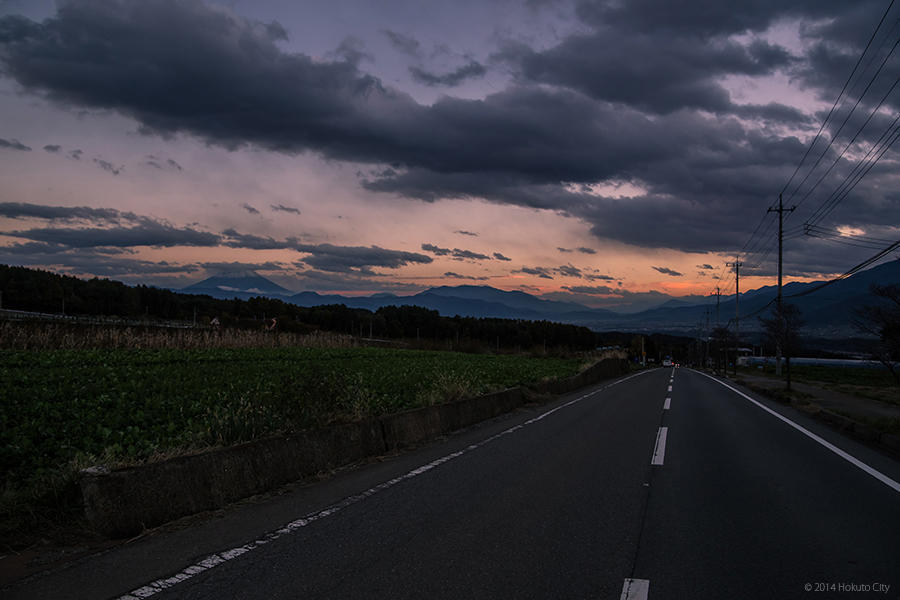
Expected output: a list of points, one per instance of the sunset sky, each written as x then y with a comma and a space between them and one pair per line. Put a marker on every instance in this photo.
595, 151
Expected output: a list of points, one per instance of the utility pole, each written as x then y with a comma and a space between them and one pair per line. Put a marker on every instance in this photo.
706, 353
780, 210
718, 294
737, 303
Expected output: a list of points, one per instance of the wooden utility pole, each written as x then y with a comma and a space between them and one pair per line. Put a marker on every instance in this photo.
780, 210
737, 304
706, 353
718, 295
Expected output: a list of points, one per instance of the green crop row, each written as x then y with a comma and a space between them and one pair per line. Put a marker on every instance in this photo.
66, 407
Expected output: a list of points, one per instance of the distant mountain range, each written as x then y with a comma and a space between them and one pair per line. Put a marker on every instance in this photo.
827, 312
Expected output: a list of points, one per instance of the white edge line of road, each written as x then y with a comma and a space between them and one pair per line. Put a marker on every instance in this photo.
635, 589
214, 560
849, 458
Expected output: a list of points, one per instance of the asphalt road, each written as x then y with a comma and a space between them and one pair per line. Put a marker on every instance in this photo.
630, 489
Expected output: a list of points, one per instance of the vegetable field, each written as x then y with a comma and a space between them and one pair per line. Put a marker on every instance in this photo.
77, 407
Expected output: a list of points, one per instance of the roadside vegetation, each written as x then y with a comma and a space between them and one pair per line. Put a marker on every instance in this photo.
63, 410
872, 383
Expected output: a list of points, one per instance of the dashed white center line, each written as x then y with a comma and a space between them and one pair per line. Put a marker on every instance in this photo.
635, 589
670, 388
215, 560
668, 404
659, 452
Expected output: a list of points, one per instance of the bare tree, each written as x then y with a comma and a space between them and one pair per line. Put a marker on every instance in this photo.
783, 329
882, 320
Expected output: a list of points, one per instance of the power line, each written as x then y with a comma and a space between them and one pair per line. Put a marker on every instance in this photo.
845, 121
850, 143
869, 261
854, 177
838, 99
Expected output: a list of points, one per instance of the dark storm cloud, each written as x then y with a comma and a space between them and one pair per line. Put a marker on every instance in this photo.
353, 50
172, 65
838, 29
773, 112
705, 18
542, 272
499, 256
830, 60
191, 68
455, 253
579, 273
148, 234
580, 249
599, 277
453, 78
84, 261
469, 255
250, 209
112, 267
17, 210
623, 66
452, 275
344, 259
52, 148
436, 250
233, 239
569, 271
108, 166
163, 165
33, 249
668, 271
111, 228
403, 43
14, 145
283, 208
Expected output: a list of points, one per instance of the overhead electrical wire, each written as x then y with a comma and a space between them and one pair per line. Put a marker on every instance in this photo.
844, 122
854, 178
838, 99
760, 242
850, 143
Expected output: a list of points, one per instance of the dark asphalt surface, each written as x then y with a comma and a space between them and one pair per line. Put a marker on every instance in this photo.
567, 506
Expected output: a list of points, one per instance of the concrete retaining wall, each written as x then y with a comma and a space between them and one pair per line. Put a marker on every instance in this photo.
123, 502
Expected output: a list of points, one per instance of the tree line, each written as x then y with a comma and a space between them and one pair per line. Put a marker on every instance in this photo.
43, 291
